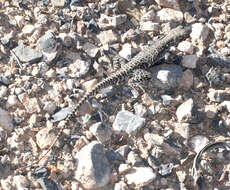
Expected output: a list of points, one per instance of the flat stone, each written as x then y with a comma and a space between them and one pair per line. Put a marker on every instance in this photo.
165, 169
174, 4
128, 122
27, 54
190, 61
60, 115
93, 169
90, 49
47, 43
169, 15
5, 120
150, 26
140, 176
199, 31
185, 46
127, 51
107, 37
58, 3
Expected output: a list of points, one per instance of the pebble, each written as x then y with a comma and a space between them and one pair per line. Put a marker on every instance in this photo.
190, 61
90, 49
21, 182
5, 120
216, 95
31, 104
187, 79
93, 170
47, 43
27, 54
183, 129
226, 104
101, 132
198, 142
45, 138
127, 51
186, 47
150, 26
165, 169
140, 176
166, 76
12, 101
128, 122
60, 115
199, 31
211, 111
169, 15
58, 3
134, 159
149, 16
107, 37
187, 112
124, 151
49, 107
174, 4
28, 29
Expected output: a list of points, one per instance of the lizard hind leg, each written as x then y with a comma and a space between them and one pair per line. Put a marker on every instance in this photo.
139, 76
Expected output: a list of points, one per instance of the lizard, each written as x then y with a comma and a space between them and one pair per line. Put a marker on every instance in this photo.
144, 59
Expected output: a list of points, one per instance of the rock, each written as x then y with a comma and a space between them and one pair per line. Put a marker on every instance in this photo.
198, 142
190, 61
45, 138
186, 47
90, 49
27, 54
187, 112
106, 22
166, 76
28, 29
165, 169
150, 26
12, 101
174, 4
101, 132
128, 122
58, 3
187, 79
93, 170
47, 43
88, 85
120, 186
31, 104
169, 15
215, 77
182, 129
226, 104
127, 51
5, 120
49, 107
107, 37
124, 151
216, 95
167, 100
124, 168
211, 111
140, 176
149, 16
134, 159
199, 31
61, 114
21, 182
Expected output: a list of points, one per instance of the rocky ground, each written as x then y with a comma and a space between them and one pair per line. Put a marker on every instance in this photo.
52, 52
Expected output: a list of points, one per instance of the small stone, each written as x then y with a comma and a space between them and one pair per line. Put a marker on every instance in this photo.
45, 138
3, 91
124, 168
215, 77
107, 37
21, 182
181, 176
124, 151
88, 85
187, 79
128, 122
93, 169
149, 16
216, 95
182, 129
150, 26
28, 29
211, 111
49, 107
165, 169
5, 120
12, 100
140, 109
31, 104
120, 186
134, 159
226, 104
174, 4
106, 22
127, 51
101, 132
90, 49
58, 3
47, 43
166, 76
169, 15
199, 31
140, 176
154, 139
62, 114
198, 142
190, 61
167, 100
186, 47
27, 54
187, 112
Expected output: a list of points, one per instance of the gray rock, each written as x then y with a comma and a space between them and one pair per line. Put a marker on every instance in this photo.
174, 4
166, 76
5, 120
169, 15
198, 142
101, 132
60, 115
190, 61
140, 176
27, 54
93, 170
128, 122
215, 77
199, 31
165, 169
47, 43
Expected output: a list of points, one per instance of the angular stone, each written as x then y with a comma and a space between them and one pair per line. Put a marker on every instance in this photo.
169, 15
5, 120
190, 61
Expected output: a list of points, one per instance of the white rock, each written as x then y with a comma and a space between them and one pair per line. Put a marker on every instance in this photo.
140, 176
149, 16
12, 100
45, 138
90, 49
169, 3
198, 142
226, 104
199, 31
127, 51
28, 29
107, 37
58, 3
211, 111
5, 120
186, 47
21, 182
169, 15
50, 107
190, 61
150, 26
